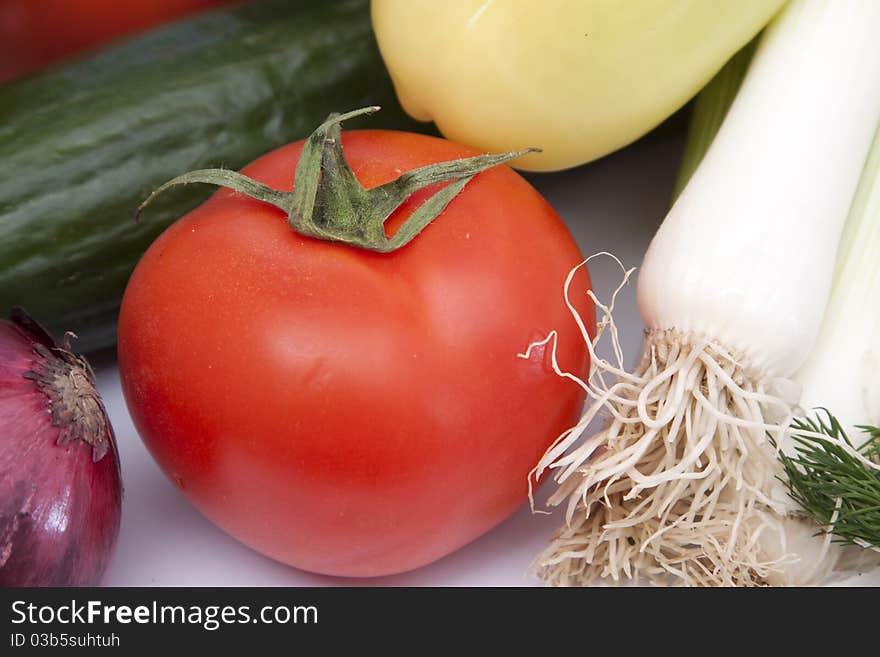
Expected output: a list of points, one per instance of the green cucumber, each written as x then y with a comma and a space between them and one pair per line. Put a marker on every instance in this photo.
81, 146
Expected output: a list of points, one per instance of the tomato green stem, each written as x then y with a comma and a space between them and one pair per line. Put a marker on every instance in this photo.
328, 202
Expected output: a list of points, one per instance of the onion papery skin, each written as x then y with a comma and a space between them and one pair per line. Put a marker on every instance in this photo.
60, 485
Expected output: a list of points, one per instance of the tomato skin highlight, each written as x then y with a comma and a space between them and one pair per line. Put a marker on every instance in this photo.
347, 412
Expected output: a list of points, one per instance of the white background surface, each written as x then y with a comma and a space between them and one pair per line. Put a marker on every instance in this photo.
613, 205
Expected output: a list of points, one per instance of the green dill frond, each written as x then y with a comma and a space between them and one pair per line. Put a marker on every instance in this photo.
831, 484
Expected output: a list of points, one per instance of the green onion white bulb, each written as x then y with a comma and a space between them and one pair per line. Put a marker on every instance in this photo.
682, 485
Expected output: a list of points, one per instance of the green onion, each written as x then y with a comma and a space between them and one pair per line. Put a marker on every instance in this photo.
709, 111
834, 481
682, 484
843, 371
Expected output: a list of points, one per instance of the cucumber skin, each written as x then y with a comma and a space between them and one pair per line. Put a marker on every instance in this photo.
81, 146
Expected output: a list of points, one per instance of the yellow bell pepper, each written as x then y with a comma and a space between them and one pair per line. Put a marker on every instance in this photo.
577, 78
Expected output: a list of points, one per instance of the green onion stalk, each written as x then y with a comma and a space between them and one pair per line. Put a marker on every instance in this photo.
682, 484
833, 461
831, 455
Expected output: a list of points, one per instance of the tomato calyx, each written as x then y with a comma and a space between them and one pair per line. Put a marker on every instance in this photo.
329, 203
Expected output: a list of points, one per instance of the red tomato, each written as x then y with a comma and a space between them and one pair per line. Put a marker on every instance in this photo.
348, 412
34, 33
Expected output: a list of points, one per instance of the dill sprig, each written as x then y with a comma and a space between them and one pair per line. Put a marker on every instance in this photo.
835, 488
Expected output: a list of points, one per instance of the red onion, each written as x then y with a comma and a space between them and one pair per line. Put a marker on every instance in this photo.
60, 489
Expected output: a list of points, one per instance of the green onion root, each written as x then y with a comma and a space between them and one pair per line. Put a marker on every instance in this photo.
681, 484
